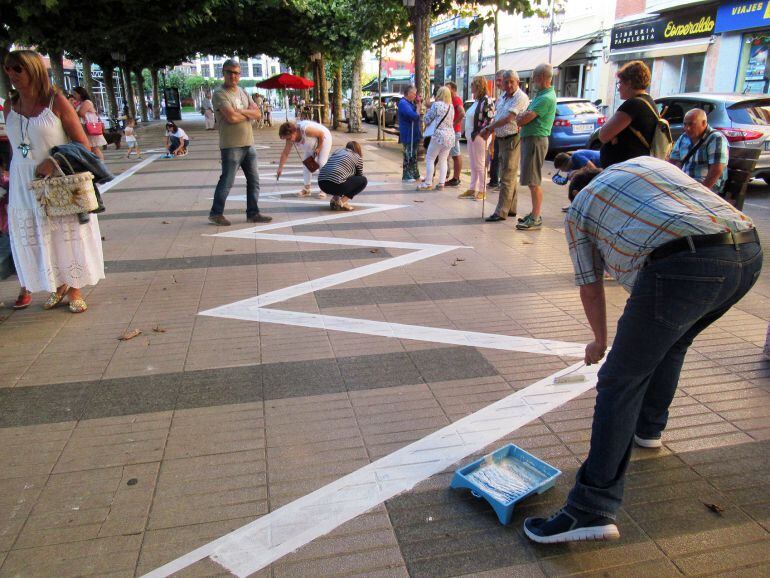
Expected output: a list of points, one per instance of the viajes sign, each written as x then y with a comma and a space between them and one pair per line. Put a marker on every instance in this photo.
743, 15
684, 25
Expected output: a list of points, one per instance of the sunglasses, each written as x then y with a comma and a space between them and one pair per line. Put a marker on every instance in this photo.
15, 67
238, 72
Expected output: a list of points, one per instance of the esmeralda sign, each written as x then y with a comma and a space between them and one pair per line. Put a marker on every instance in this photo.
685, 25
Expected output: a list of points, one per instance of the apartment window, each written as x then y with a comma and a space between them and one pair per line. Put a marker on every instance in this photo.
218, 71
256, 69
273, 71
205, 70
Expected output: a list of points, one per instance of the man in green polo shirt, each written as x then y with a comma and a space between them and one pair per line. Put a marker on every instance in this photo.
535, 127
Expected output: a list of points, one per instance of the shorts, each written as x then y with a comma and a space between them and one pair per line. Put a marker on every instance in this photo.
455, 150
131, 142
533, 151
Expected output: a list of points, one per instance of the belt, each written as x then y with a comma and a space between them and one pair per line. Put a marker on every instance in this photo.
508, 136
694, 241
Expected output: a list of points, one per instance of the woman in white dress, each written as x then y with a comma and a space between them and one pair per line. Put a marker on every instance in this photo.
441, 116
313, 139
87, 113
54, 254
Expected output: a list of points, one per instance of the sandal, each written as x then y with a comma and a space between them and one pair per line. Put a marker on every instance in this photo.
424, 187
305, 192
54, 299
78, 306
480, 196
22, 301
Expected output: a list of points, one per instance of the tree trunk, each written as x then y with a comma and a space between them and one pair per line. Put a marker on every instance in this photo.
155, 94
88, 81
420, 19
57, 67
131, 101
324, 90
5, 82
354, 113
304, 94
109, 85
142, 99
337, 105
497, 48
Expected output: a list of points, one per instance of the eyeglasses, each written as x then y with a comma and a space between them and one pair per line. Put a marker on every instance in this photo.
15, 67
235, 72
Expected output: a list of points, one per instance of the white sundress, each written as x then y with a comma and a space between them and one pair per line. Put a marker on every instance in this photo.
47, 251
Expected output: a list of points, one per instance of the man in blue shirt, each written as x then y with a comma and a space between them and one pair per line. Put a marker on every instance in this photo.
574, 161
409, 133
701, 152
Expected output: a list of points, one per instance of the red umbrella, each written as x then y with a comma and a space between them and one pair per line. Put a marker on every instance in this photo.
285, 80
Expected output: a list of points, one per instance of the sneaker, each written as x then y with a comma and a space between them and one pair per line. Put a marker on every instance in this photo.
452, 183
649, 443
530, 223
219, 220
469, 194
480, 196
258, 218
570, 525
524, 218
408, 180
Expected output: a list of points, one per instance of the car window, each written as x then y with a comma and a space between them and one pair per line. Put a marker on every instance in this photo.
570, 108
674, 110
752, 112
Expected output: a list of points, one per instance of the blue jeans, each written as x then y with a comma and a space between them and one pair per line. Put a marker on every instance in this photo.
232, 158
173, 144
673, 300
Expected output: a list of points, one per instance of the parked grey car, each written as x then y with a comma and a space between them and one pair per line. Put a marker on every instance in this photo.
743, 118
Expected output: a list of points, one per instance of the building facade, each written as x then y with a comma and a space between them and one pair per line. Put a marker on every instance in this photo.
573, 41
743, 28
252, 68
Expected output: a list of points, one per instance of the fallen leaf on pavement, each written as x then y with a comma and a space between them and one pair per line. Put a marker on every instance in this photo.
716, 508
526, 242
229, 250
130, 334
158, 329
374, 250
418, 201
166, 222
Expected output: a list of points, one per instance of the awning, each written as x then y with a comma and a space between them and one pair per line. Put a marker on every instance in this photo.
661, 50
525, 61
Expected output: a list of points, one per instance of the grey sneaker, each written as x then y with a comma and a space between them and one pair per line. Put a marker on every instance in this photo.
530, 223
219, 220
524, 218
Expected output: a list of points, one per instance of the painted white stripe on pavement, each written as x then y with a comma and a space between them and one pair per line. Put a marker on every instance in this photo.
253, 312
269, 538
127, 173
325, 282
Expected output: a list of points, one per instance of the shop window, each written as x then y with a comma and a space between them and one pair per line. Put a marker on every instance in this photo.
692, 72
461, 70
754, 64
449, 61
571, 80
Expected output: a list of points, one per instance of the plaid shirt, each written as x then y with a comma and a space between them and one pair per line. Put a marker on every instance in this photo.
506, 105
635, 206
713, 151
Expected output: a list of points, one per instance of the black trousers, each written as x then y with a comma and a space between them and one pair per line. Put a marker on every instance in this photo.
494, 166
350, 188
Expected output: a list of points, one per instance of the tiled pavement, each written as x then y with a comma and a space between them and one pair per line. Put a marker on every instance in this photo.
119, 456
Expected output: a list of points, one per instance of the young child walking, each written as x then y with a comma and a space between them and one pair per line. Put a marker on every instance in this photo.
131, 142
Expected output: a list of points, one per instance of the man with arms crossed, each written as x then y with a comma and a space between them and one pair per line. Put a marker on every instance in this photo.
234, 112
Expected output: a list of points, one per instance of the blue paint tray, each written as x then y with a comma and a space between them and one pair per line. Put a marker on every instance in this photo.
505, 477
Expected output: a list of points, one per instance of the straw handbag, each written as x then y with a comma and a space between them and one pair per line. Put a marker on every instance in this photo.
65, 194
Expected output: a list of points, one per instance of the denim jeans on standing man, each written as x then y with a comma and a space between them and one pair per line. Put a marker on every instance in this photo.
673, 300
232, 158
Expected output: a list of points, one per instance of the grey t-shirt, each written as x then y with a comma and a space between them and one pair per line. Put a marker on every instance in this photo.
240, 133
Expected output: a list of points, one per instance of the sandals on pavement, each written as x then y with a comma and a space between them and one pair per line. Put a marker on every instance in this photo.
78, 306
22, 301
55, 298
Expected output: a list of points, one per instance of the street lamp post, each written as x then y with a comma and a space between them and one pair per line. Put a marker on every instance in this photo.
553, 26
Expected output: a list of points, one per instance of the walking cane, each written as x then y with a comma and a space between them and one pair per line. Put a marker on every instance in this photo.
486, 170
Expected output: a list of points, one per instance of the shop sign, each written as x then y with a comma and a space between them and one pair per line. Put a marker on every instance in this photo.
742, 15
666, 28
450, 26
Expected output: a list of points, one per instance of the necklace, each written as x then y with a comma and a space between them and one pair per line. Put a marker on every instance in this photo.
24, 146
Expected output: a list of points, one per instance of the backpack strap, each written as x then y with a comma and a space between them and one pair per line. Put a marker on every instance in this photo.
638, 134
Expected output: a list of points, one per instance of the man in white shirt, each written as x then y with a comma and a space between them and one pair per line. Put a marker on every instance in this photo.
511, 102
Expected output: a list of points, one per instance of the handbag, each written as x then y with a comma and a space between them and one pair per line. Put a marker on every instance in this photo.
431, 129
65, 194
94, 126
310, 163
